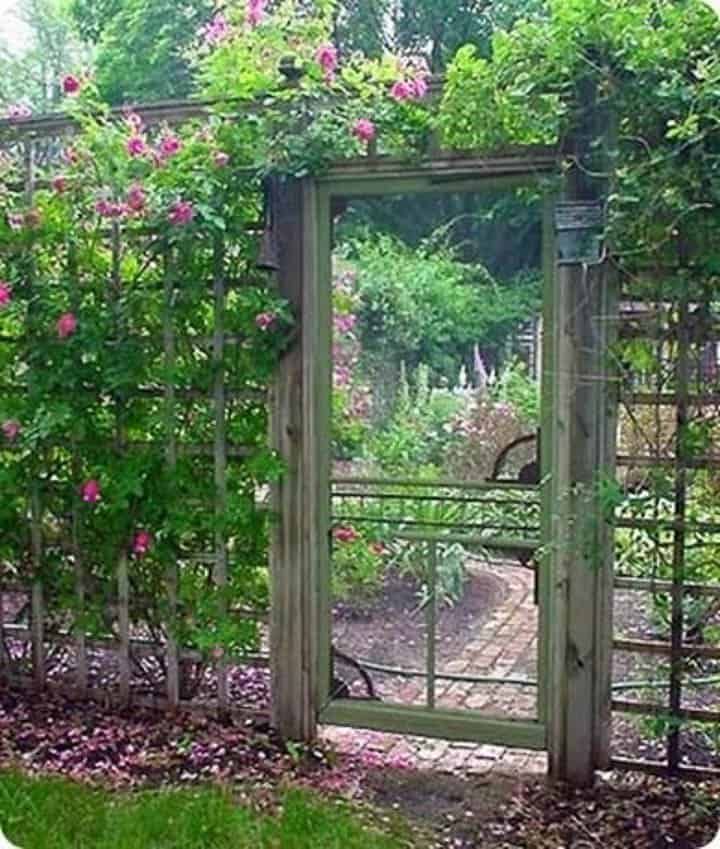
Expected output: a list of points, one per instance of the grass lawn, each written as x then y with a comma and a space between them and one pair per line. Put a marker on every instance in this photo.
57, 814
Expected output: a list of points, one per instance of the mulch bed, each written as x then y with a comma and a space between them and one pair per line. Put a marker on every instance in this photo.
133, 750
138, 748
508, 812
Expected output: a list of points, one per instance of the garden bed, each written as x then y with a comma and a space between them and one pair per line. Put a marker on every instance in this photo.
389, 627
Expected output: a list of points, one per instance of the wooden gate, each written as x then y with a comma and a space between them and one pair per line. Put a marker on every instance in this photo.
573, 550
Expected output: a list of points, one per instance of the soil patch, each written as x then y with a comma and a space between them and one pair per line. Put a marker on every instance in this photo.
389, 628
511, 812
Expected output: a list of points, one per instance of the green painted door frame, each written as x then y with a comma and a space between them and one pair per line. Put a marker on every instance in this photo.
449, 724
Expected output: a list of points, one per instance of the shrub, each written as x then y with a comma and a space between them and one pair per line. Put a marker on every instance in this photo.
422, 306
417, 432
480, 432
514, 386
358, 563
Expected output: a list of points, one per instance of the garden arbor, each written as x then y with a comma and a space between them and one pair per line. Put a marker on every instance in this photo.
573, 552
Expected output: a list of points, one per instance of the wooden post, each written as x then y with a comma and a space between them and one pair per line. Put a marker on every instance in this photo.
220, 575
172, 656
296, 549
37, 598
583, 452
123, 570
81, 655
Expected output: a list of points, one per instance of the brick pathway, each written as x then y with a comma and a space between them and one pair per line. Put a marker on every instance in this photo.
505, 645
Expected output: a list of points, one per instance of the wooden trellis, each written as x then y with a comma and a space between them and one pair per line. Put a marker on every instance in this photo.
659, 458
42, 139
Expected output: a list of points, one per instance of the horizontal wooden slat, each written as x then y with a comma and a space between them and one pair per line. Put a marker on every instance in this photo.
651, 709
159, 703
649, 585
668, 525
447, 166
450, 499
440, 483
139, 648
648, 462
696, 773
183, 449
446, 724
707, 399
649, 647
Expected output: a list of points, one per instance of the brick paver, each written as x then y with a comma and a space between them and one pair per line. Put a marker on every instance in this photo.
504, 645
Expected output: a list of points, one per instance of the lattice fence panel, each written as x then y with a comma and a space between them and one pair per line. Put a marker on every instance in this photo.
667, 603
136, 482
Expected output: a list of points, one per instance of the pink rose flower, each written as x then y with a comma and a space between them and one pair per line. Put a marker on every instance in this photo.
136, 146
10, 429
345, 323
142, 543
134, 121
346, 534
66, 325
5, 294
18, 112
181, 213
136, 198
364, 130
216, 30
59, 184
221, 159
170, 145
402, 90
342, 376
110, 209
16, 220
255, 12
327, 58
90, 491
70, 84
265, 320
378, 549
420, 87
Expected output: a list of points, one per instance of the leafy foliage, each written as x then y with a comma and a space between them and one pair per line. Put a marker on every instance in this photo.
435, 28
424, 306
655, 68
112, 256
31, 73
